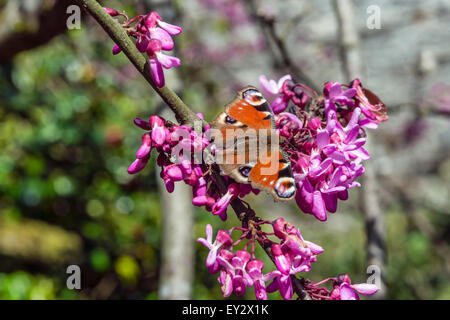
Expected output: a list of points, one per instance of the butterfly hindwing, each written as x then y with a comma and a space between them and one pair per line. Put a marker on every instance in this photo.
273, 173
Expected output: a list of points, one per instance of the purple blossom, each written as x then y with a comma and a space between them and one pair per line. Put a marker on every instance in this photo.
158, 60
344, 290
342, 144
153, 36
334, 94
138, 165
271, 86
254, 270
223, 241
274, 88
221, 205
295, 254
241, 279
111, 12
371, 106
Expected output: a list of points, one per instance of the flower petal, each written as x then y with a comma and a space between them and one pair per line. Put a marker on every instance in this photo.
347, 293
283, 79
163, 36
279, 104
285, 287
157, 73
170, 28
322, 138
142, 43
318, 206
167, 61
116, 49
330, 202
315, 248
209, 233
269, 85
365, 289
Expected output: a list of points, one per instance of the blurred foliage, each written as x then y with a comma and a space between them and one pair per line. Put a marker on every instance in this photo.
67, 137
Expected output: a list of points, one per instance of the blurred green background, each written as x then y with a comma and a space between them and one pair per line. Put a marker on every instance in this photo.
67, 137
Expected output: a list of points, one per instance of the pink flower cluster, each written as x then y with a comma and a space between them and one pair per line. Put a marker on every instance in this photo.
343, 289
152, 37
239, 270
324, 138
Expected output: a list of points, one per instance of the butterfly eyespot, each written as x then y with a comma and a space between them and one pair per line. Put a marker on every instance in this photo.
230, 120
245, 170
285, 188
254, 97
251, 92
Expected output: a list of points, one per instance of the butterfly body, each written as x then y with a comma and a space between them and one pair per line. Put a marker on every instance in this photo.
248, 147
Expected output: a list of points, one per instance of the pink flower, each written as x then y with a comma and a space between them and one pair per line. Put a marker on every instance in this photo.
226, 282
146, 146
223, 241
344, 290
273, 87
116, 50
142, 124
174, 172
254, 270
372, 107
138, 165
282, 261
342, 144
153, 19
333, 91
111, 12
324, 143
158, 131
282, 283
295, 254
152, 36
241, 279
203, 201
158, 60
221, 205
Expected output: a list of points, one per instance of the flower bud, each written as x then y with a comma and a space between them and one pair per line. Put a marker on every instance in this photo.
111, 12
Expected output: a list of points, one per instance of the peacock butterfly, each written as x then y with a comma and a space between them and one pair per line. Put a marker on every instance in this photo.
248, 149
